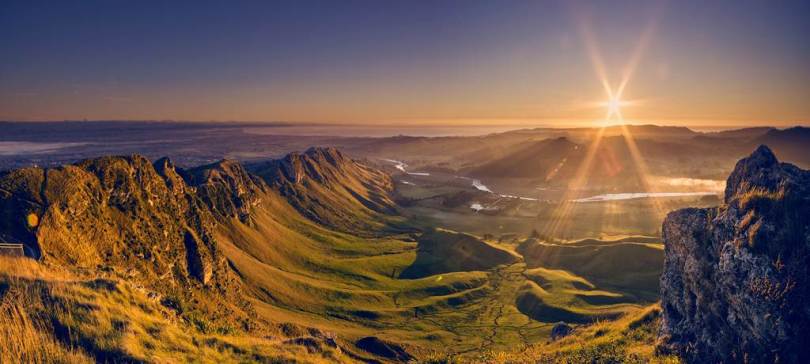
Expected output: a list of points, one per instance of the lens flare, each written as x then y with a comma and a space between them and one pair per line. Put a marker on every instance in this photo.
614, 110
32, 220
563, 213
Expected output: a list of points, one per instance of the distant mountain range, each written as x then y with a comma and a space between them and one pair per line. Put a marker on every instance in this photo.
193, 144
666, 152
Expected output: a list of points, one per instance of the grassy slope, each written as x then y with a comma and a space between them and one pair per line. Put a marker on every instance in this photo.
630, 339
443, 251
49, 316
630, 265
558, 295
301, 272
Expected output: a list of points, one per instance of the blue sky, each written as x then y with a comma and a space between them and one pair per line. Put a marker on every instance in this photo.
403, 62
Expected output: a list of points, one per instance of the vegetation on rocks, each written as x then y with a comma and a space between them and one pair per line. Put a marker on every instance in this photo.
736, 281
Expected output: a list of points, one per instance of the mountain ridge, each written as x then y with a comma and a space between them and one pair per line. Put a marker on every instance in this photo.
332, 189
152, 219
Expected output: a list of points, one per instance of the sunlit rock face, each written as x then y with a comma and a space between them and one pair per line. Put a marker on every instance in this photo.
735, 281
116, 213
332, 189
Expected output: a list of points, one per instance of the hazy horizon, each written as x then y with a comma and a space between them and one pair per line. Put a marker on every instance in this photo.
481, 124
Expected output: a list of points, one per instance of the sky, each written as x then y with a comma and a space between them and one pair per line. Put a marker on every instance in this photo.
407, 62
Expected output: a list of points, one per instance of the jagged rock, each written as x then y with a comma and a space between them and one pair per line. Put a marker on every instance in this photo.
330, 188
560, 330
735, 281
227, 188
125, 217
20, 196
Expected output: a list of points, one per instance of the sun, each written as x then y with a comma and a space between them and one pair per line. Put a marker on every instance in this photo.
614, 109
614, 106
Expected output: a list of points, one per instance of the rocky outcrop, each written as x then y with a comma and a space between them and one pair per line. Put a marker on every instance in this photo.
127, 218
735, 281
330, 188
227, 188
128, 212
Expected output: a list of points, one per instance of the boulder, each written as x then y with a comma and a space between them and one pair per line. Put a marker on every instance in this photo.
560, 330
376, 346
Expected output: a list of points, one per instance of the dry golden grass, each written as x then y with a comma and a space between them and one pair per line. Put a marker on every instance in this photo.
630, 339
24, 339
761, 198
51, 317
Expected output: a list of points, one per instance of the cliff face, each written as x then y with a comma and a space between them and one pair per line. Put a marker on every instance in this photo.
735, 281
227, 188
125, 218
121, 211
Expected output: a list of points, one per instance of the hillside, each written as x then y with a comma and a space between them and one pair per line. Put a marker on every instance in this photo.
442, 251
330, 188
226, 256
631, 267
193, 241
546, 159
49, 315
629, 339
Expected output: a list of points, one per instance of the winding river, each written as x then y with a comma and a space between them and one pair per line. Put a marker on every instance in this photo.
637, 195
477, 184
